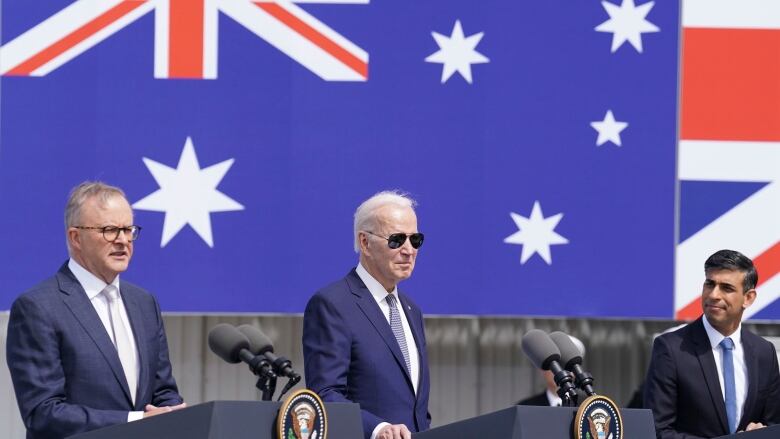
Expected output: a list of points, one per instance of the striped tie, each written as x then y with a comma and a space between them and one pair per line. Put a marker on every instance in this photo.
398, 331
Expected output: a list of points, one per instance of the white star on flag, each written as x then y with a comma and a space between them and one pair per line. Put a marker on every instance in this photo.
457, 53
627, 23
187, 194
609, 129
536, 234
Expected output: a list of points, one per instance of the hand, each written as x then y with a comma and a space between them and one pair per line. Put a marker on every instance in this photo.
398, 431
151, 410
754, 426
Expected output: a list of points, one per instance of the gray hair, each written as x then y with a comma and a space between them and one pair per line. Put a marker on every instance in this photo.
81, 193
365, 215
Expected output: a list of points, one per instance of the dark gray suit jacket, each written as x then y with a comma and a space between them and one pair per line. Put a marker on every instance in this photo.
683, 391
66, 372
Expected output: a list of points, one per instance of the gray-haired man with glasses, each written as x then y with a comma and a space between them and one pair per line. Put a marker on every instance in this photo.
86, 351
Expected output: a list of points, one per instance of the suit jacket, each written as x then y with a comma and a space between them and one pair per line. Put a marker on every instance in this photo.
683, 391
351, 354
66, 372
540, 399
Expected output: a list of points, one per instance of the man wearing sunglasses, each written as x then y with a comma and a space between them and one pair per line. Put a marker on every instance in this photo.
86, 351
363, 340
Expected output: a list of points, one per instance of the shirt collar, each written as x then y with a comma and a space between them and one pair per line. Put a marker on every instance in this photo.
92, 284
553, 398
716, 337
378, 292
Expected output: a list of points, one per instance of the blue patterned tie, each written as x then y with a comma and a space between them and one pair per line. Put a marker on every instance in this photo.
398, 331
728, 382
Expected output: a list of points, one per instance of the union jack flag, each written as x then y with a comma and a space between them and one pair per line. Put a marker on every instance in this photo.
729, 151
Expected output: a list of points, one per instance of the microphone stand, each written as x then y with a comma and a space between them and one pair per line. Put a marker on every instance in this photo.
267, 385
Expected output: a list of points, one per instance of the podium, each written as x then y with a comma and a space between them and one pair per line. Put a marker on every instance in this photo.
526, 422
227, 420
771, 432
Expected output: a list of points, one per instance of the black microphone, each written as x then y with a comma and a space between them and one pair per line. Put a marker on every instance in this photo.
571, 357
233, 346
541, 350
260, 344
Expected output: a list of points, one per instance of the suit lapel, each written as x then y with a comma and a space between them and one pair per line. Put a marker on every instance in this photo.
371, 309
134, 313
751, 361
710, 372
76, 300
418, 334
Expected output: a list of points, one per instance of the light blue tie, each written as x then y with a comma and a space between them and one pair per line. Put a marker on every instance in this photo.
398, 331
728, 382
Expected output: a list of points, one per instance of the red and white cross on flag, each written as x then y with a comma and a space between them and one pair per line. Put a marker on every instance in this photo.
730, 132
186, 36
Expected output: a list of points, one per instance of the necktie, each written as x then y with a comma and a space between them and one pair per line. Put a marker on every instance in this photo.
121, 339
727, 345
398, 330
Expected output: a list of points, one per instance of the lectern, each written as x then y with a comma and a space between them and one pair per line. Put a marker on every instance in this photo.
227, 420
530, 422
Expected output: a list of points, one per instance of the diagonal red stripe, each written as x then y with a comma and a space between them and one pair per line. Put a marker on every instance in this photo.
767, 264
320, 40
59, 47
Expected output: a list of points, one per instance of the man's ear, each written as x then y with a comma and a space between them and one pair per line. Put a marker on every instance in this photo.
750, 297
74, 238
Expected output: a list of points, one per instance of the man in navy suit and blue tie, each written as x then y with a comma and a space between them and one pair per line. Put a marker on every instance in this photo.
713, 377
363, 340
85, 350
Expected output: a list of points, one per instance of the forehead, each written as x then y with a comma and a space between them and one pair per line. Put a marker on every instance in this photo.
393, 216
732, 277
113, 208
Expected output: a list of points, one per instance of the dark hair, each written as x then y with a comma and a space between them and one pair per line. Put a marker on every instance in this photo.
735, 261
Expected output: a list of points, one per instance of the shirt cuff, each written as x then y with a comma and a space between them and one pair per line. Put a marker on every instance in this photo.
134, 416
380, 426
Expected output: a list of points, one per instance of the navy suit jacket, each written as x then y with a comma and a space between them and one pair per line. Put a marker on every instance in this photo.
66, 372
683, 391
351, 355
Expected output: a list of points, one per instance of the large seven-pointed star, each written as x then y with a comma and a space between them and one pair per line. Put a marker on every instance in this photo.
457, 53
627, 23
187, 195
536, 234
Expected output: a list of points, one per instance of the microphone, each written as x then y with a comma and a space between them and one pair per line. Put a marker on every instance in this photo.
260, 344
571, 357
544, 354
233, 346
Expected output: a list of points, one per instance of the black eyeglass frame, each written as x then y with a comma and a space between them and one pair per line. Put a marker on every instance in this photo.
399, 239
135, 231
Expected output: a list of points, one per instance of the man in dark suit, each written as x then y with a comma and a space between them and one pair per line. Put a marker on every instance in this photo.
713, 377
364, 341
86, 351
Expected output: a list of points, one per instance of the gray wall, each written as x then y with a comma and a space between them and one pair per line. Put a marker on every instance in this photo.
476, 362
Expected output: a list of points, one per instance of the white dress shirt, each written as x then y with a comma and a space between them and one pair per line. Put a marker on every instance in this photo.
740, 367
553, 399
93, 286
379, 293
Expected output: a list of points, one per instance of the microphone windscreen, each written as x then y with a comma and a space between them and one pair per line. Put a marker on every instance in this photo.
570, 353
259, 343
227, 342
540, 349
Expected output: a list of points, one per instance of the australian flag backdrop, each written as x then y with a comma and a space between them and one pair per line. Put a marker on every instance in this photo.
543, 141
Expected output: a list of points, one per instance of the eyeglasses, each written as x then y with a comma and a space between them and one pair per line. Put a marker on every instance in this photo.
396, 240
111, 233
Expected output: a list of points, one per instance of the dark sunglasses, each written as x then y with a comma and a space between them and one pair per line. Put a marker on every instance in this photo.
396, 240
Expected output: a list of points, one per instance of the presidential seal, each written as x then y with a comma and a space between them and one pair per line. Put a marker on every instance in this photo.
302, 416
598, 418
